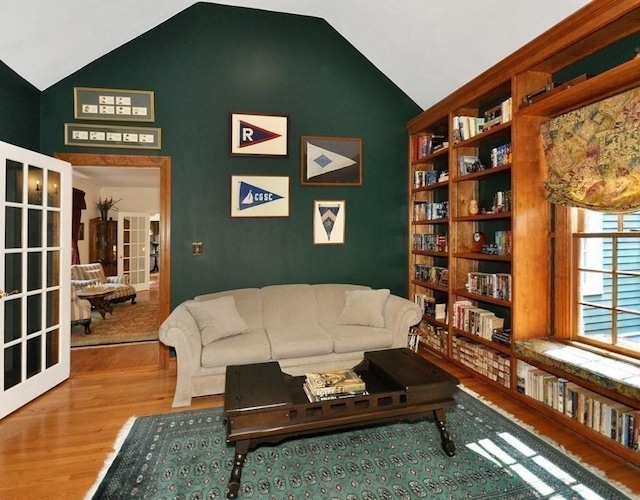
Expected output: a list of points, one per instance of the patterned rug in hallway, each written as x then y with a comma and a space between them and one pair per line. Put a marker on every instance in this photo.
184, 456
128, 323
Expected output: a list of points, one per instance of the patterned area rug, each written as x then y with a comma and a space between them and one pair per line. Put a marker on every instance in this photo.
184, 456
128, 323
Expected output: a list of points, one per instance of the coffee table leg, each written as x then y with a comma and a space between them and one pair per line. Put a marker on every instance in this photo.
447, 444
242, 447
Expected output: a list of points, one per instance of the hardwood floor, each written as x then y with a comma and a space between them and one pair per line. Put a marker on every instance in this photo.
55, 446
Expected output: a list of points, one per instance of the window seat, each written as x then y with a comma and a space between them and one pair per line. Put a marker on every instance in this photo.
614, 374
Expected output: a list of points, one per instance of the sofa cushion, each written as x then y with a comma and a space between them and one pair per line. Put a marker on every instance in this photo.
364, 307
330, 300
95, 274
298, 341
250, 347
248, 304
354, 338
217, 319
288, 305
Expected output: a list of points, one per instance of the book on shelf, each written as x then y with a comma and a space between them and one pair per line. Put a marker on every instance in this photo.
334, 382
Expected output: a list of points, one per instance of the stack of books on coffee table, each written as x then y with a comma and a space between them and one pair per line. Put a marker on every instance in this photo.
334, 384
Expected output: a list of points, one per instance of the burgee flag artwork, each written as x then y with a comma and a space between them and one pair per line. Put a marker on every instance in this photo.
259, 196
257, 134
331, 161
328, 222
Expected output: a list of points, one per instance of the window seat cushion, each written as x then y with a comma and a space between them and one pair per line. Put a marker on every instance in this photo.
613, 374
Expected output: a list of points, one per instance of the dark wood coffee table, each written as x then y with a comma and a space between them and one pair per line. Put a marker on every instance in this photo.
97, 299
264, 405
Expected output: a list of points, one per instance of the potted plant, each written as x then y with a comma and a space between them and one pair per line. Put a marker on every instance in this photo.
105, 205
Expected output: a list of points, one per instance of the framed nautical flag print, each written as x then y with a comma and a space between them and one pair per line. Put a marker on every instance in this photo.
259, 196
259, 135
328, 222
331, 161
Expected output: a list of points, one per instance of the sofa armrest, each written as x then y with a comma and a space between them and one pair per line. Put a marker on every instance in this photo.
400, 314
181, 332
120, 280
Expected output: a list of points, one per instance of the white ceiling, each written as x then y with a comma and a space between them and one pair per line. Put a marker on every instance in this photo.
428, 48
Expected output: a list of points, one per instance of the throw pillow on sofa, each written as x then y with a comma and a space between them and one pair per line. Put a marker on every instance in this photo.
364, 307
217, 319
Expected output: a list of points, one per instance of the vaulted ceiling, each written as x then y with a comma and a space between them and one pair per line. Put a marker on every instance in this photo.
428, 48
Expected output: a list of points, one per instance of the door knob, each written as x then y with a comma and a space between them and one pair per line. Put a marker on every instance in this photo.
6, 294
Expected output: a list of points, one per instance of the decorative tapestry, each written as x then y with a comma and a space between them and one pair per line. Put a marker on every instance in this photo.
593, 155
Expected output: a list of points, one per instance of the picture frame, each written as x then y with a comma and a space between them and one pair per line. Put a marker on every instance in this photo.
258, 134
81, 232
113, 104
330, 161
259, 196
329, 220
111, 136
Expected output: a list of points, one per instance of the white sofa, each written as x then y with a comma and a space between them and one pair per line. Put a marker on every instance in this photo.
304, 327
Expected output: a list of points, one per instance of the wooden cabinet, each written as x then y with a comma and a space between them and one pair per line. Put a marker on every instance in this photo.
103, 244
492, 266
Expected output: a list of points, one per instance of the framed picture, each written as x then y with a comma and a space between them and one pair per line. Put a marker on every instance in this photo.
331, 161
113, 104
111, 136
259, 196
328, 222
81, 232
259, 135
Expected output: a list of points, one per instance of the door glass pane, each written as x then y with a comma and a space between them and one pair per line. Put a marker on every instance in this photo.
53, 271
53, 189
12, 366
34, 356
53, 309
53, 229
34, 314
36, 185
12, 272
13, 231
34, 238
34, 271
12, 319
53, 348
14, 181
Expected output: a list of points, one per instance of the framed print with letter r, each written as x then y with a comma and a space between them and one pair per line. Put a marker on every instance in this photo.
328, 222
259, 196
259, 135
331, 161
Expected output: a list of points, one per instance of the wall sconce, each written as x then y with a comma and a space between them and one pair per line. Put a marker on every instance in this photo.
53, 194
197, 248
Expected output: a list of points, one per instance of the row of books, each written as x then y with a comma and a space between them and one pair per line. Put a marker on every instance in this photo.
501, 155
431, 307
423, 210
496, 285
429, 144
475, 320
430, 242
502, 201
496, 115
436, 275
503, 242
492, 364
601, 414
422, 178
334, 384
433, 337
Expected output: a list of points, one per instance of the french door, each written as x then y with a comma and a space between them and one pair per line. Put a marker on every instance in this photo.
133, 248
35, 260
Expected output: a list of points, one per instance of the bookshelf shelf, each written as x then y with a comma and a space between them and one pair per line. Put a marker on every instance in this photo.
513, 149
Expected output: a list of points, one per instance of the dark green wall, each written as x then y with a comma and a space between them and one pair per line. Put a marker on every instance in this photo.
19, 110
210, 60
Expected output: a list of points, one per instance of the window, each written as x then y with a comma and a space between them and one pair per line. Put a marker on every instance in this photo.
604, 279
